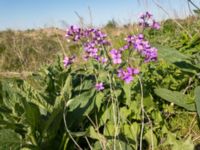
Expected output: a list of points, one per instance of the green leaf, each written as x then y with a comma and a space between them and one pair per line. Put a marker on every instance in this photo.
32, 115
52, 125
81, 105
9, 140
151, 139
132, 133
171, 55
175, 57
197, 99
127, 90
65, 93
177, 98
99, 99
110, 129
124, 113
178, 144
118, 145
95, 135
149, 103
107, 115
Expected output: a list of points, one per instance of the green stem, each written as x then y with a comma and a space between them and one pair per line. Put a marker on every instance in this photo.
33, 140
142, 112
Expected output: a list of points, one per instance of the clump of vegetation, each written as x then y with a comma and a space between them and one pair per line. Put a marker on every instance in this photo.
104, 92
111, 24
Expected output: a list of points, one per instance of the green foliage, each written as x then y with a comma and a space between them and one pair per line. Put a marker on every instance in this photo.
111, 24
56, 106
9, 139
177, 98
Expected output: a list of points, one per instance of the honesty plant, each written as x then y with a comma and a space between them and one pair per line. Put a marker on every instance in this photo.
96, 47
95, 104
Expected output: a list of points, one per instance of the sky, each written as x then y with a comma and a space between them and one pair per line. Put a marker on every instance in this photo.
28, 14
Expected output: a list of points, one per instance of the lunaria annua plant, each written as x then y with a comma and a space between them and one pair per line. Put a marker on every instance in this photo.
96, 47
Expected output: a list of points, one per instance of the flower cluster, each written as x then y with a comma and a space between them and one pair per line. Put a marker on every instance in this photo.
143, 47
94, 41
146, 20
127, 75
74, 32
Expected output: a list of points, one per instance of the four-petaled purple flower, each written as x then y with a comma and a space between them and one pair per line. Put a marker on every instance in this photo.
127, 75
116, 56
99, 86
74, 32
68, 61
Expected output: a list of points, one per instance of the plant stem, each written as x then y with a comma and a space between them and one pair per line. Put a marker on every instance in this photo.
142, 112
33, 140
66, 128
113, 106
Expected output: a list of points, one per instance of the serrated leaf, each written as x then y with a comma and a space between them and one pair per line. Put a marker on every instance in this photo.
177, 98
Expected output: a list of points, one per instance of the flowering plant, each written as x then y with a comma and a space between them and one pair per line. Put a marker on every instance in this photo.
113, 71
103, 98
97, 48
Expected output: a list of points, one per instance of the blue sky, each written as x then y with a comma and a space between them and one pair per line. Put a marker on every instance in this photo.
24, 14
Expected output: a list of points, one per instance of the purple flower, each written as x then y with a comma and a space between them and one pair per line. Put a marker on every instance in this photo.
127, 75
150, 54
155, 25
90, 49
146, 20
116, 56
142, 47
146, 15
104, 60
68, 61
74, 32
136, 71
99, 86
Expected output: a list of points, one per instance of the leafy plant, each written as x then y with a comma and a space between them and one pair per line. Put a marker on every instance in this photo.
102, 98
